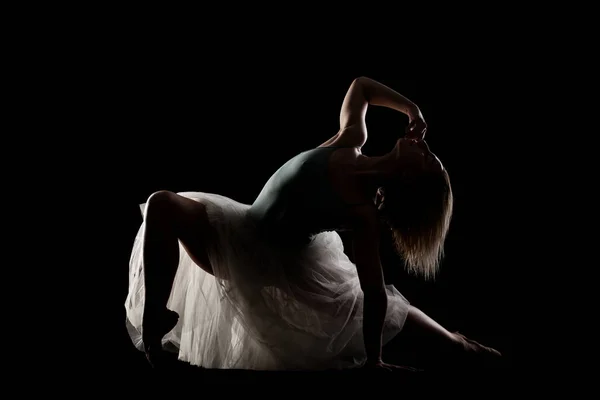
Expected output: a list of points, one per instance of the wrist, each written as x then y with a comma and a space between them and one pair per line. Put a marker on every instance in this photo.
413, 112
373, 361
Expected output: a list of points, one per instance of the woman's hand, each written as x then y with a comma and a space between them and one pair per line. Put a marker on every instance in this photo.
417, 127
380, 365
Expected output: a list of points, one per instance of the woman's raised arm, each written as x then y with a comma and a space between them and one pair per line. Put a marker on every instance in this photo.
364, 92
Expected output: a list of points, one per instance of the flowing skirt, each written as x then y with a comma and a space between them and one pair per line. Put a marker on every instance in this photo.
270, 307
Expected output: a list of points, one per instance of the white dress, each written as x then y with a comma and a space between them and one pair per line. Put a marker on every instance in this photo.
274, 310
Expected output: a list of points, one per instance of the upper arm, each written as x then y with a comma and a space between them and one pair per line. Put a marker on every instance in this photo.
366, 251
353, 113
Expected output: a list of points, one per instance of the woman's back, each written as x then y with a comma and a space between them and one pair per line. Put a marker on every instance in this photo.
298, 199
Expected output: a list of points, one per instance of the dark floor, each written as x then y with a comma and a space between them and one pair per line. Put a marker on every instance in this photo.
498, 375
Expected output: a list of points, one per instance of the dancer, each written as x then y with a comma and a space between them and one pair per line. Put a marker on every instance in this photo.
268, 286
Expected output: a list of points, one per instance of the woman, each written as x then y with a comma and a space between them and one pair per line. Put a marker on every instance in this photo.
267, 285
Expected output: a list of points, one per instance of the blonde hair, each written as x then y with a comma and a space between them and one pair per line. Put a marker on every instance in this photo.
418, 208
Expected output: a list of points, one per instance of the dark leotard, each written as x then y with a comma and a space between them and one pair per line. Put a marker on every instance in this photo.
298, 200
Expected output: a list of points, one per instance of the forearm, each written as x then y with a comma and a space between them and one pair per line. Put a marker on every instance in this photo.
378, 94
374, 310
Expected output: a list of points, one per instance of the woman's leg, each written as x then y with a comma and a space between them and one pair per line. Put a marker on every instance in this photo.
427, 343
169, 218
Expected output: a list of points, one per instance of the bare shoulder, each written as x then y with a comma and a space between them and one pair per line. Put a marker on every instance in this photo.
353, 136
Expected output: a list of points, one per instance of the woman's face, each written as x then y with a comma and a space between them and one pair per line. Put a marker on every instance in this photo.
416, 154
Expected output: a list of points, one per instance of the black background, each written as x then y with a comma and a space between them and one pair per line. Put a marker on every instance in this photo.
172, 115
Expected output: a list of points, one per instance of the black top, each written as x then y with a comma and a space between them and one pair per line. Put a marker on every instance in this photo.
298, 200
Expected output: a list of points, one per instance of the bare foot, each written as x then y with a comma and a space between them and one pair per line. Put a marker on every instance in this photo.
476, 354
155, 327
473, 346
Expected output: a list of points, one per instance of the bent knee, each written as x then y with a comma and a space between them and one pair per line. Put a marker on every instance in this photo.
160, 199
159, 203
185, 213
161, 196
